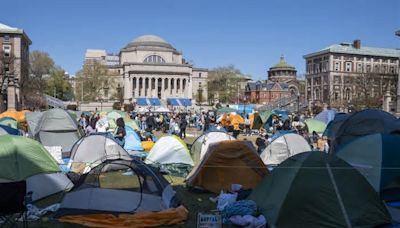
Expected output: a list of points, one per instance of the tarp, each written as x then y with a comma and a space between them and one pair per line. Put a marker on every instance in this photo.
313, 190
226, 163
226, 110
377, 158
201, 144
162, 110
315, 125
284, 147
17, 115
169, 217
132, 140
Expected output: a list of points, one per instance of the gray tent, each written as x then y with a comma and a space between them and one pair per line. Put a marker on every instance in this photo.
91, 150
119, 186
54, 127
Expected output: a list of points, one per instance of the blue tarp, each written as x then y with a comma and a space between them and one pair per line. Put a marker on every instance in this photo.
132, 140
142, 101
154, 101
10, 130
179, 102
185, 102
326, 116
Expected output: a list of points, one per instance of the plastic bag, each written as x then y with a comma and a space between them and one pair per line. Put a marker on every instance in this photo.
225, 199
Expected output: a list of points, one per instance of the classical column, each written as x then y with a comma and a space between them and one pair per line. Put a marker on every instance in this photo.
156, 88
142, 89
163, 88
149, 90
126, 88
137, 87
189, 84
181, 92
175, 86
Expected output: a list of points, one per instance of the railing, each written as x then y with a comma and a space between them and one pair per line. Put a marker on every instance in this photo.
291, 104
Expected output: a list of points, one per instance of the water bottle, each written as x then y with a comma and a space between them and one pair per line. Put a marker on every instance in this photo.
28, 201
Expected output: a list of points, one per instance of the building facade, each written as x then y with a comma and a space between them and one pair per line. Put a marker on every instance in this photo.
150, 67
344, 73
14, 64
266, 92
282, 72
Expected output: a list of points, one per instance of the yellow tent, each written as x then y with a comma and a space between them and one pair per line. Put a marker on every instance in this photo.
18, 116
226, 163
236, 120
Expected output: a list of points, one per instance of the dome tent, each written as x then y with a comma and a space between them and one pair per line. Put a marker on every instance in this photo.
54, 127
9, 130
334, 125
284, 147
91, 150
313, 190
315, 125
225, 163
377, 158
132, 140
139, 188
325, 116
172, 154
201, 144
25, 159
366, 122
10, 122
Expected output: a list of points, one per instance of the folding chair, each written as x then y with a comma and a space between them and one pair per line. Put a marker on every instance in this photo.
12, 204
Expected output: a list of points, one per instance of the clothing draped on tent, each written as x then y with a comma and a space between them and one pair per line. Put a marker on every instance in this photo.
132, 140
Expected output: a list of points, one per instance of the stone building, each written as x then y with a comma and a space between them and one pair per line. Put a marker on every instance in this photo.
150, 67
282, 72
266, 92
14, 64
342, 73
282, 83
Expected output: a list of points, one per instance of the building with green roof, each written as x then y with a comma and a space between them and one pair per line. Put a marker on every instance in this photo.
347, 74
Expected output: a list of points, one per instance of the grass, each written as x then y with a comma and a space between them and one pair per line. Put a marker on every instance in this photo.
194, 202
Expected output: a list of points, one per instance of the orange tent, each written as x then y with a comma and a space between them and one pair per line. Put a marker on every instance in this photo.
19, 116
236, 120
226, 163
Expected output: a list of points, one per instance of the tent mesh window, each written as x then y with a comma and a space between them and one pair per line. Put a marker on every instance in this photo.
124, 175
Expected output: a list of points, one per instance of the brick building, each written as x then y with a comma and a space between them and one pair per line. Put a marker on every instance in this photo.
265, 92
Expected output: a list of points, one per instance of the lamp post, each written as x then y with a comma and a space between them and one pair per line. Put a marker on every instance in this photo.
298, 102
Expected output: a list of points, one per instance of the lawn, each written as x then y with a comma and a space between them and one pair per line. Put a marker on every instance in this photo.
194, 202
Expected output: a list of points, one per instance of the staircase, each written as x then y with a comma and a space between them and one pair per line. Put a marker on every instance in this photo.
287, 103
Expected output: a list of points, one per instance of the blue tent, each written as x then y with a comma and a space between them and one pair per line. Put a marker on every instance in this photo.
132, 140
213, 128
325, 116
376, 157
10, 130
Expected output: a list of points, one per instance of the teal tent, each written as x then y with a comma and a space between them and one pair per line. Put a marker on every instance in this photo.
226, 110
377, 158
9, 121
312, 189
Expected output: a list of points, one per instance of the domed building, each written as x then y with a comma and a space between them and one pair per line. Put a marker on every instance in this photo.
150, 67
153, 68
282, 72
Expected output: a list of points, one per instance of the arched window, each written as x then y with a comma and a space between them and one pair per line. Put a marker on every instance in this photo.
154, 59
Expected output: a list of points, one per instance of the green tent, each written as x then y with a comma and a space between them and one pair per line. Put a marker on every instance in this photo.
113, 115
312, 189
315, 125
260, 118
21, 157
226, 110
10, 122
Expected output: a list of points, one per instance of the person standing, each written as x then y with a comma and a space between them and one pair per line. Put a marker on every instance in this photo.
182, 126
120, 132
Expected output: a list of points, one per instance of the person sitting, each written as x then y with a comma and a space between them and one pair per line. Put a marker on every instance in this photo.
261, 145
120, 132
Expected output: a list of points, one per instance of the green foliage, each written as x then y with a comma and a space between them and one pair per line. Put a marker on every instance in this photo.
91, 80
223, 83
58, 85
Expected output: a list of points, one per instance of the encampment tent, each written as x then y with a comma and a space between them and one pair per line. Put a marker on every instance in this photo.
333, 126
92, 150
22, 158
226, 163
315, 125
172, 154
9, 121
119, 186
326, 116
377, 158
54, 127
284, 147
366, 122
9, 130
312, 190
201, 144
132, 140
19, 116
